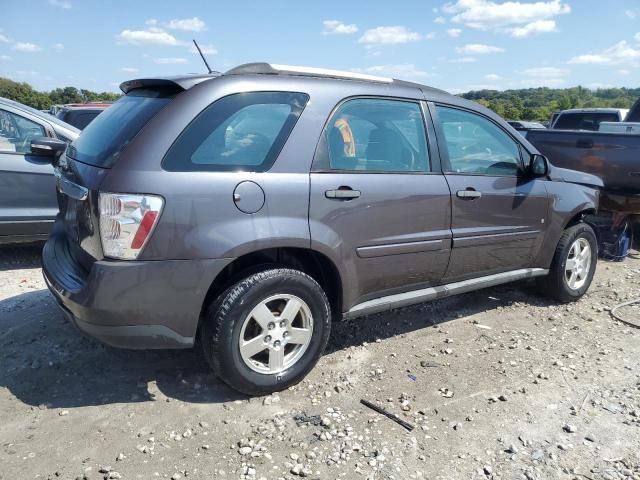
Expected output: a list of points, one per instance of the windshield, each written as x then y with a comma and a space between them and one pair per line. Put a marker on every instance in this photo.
104, 139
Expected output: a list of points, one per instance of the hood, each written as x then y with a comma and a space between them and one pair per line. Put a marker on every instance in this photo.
558, 174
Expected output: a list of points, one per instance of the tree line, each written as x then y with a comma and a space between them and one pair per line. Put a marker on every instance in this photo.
26, 94
540, 103
522, 104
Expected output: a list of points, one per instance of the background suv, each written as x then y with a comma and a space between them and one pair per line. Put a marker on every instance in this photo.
253, 208
79, 114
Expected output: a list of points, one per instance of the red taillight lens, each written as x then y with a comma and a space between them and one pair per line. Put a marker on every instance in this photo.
147, 223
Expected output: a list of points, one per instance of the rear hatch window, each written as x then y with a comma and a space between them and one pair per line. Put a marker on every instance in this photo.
583, 121
104, 138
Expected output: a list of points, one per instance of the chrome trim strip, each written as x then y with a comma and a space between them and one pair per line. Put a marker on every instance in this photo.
400, 248
398, 300
477, 240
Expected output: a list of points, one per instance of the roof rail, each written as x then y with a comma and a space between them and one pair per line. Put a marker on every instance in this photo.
275, 69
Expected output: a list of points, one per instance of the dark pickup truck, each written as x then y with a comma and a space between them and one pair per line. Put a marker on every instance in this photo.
614, 157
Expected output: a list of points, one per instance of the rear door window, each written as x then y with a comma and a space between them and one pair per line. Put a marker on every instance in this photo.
244, 131
377, 135
104, 138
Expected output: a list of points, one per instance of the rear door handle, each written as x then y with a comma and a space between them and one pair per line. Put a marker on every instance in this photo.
342, 193
584, 143
468, 194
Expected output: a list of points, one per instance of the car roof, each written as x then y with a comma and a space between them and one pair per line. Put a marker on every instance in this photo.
595, 110
85, 106
185, 82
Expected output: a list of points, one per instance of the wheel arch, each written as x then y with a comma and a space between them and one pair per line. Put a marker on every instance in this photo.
315, 264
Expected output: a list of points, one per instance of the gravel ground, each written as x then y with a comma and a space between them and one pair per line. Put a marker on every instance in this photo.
498, 383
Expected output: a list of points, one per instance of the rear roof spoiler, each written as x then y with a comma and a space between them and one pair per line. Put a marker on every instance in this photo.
184, 82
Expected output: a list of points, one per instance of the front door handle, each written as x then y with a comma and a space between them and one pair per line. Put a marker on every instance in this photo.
468, 194
342, 193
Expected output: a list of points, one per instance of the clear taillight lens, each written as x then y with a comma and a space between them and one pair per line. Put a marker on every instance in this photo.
126, 222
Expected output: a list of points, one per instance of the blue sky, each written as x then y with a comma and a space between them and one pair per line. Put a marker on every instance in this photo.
456, 45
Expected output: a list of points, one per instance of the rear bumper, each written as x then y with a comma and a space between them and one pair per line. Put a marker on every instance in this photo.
137, 305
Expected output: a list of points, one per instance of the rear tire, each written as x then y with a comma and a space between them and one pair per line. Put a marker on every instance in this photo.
573, 265
266, 332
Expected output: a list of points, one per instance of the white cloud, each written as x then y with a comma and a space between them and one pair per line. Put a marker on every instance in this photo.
632, 14
464, 60
492, 77
440, 20
60, 3
598, 85
5, 58
189, 24
491, 15
171, 61
206, 49
454, 32
152, 36
389, 35
26, 47
620, 53
622, 71
534, 28
478, 49
404, 71
129, 69
152, 22
542, 82
58, 47
4, 39
336, 27
545, 72
636, 37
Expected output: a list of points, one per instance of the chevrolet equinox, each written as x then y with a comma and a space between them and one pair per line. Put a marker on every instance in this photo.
251, 209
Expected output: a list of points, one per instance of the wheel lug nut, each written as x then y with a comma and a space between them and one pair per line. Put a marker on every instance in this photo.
276, 343
271, 326
285, 334
283, 323
267, 339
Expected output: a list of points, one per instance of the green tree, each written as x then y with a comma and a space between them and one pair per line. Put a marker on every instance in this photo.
24, 93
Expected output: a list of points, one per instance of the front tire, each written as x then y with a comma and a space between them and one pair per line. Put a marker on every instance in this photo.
573, 265
267, 332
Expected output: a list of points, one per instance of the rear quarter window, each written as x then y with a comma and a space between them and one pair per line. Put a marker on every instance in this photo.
244, 131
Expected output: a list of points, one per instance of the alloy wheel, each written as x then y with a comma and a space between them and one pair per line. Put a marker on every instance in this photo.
578, 264
275, 334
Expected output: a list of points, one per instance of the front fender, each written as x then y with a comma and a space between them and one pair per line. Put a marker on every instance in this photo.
567, 202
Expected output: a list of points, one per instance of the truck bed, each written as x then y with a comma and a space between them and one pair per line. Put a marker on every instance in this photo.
613, 157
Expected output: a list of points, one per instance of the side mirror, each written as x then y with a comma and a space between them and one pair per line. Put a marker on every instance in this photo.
538, 165
48, 147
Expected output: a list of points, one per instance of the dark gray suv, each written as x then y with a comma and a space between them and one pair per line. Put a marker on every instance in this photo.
251, 209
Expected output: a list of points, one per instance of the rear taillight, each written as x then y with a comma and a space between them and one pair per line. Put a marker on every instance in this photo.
126, 222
